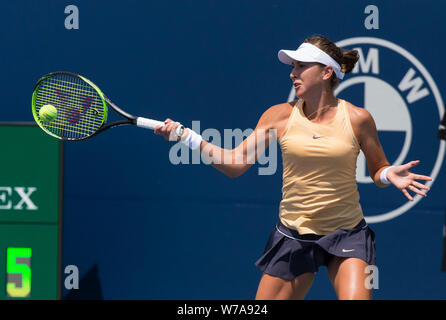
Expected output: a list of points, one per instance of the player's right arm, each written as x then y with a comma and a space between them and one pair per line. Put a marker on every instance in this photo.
234, 162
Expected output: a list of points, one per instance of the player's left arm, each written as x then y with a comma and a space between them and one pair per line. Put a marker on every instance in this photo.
366, 133
399, 176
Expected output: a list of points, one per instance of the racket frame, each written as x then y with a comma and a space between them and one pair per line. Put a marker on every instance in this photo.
129, 118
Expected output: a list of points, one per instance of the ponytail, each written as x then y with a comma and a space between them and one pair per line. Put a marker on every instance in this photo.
348, 60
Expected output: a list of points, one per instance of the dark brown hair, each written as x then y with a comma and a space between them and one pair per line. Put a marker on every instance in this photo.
346, 59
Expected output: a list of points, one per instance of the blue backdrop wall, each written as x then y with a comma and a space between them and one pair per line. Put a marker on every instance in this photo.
216, 62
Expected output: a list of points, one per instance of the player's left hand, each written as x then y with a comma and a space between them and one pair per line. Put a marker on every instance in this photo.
403, 179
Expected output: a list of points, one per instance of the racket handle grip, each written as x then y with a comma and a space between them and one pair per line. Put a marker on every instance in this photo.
148, 123
151, 124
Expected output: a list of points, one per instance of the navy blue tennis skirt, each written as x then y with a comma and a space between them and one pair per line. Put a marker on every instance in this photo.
288, 254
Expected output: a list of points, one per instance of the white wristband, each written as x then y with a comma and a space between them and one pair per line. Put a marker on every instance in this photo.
193, 140
383, 175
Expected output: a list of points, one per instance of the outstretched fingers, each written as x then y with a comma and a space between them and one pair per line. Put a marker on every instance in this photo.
408, 196
412, 164
416, 187
420, 185
421, 177
417, 191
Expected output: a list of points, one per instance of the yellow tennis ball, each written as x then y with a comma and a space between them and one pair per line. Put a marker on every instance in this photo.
48, 113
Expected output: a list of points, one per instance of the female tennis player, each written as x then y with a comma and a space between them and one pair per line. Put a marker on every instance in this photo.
321, 222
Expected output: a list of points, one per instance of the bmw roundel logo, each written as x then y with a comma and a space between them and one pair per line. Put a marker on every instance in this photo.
407, 107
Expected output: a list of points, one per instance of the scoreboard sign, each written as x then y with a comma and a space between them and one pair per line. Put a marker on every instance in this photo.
30, 213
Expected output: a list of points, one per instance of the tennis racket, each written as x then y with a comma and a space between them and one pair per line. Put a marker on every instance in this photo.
81, 108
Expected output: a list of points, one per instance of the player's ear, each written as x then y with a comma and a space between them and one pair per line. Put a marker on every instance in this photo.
327, 72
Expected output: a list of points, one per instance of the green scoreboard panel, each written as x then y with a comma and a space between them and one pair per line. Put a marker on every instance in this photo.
30, 213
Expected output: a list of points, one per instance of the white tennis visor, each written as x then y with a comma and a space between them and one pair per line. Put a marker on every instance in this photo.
310, 53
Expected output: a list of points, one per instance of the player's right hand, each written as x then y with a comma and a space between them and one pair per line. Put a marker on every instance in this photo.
168, 130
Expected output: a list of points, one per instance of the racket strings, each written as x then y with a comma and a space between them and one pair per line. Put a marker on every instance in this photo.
68, 106
66, 109
80, 108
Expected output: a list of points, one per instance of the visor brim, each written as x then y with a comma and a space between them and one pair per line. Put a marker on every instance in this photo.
288, 56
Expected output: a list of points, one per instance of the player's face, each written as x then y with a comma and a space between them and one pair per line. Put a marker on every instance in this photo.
306, 77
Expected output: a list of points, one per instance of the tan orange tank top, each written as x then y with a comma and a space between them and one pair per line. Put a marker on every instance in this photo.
319, 192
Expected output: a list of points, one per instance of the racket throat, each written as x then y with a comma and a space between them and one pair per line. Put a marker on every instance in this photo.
120, 111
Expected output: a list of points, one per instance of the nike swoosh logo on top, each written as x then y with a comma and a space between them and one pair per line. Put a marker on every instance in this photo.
350, 250
317, 137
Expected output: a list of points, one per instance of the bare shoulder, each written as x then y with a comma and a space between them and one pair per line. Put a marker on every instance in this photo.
276, 118
275, 114
358, 116
362, 122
